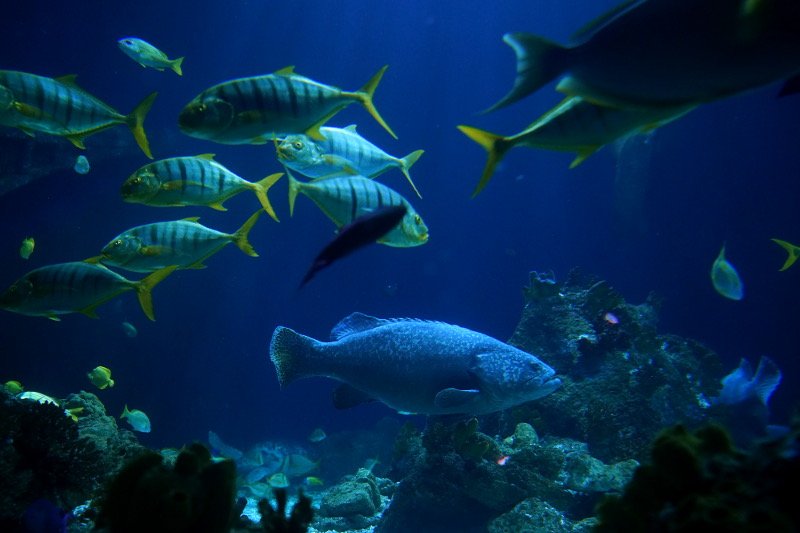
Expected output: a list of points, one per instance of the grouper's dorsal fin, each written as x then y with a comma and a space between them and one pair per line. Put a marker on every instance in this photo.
355, 323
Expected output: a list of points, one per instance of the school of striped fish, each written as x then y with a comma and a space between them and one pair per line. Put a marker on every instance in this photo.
677, 57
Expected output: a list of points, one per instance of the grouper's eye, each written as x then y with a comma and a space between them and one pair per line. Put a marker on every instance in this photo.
297, 145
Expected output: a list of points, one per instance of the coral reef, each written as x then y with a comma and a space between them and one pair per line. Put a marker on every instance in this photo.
356, 503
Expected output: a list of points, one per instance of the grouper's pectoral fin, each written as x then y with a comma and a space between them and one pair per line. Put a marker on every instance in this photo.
346, 396
454, 398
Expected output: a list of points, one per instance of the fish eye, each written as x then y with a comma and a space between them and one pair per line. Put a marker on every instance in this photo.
118, 242
297, 145
417, 219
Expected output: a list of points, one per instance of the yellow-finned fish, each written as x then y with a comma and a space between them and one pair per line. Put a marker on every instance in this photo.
77, 287
262, 108
345, 199
654, 53
100, 377
184, 243
574, 125
26, 248
791, 249
13, 387
197, 180
59, 107
148, 55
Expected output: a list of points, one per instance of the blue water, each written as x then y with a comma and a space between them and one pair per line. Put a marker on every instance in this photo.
728, 172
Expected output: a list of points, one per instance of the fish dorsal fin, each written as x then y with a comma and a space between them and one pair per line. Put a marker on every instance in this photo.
285, 71
191, 219
351, 128
355, 323
69, 79
207, 157
587, 30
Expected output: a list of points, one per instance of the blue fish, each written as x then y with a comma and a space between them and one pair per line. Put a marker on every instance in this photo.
725, 278
414, 366
741, 384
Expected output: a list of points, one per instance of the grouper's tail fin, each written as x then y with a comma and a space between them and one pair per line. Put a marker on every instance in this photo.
539, 61
289, 351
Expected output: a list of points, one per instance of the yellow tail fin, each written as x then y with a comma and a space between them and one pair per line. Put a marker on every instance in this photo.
494, 144
240, 237
135, 122
144, 289
365, 95
175, 65
407, 161
294, 188
791, 249
261, 188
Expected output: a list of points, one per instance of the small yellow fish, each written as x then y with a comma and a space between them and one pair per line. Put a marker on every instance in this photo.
137, 419
26, 249
101, 377
791, 249
14, 387
278, 481
313, 481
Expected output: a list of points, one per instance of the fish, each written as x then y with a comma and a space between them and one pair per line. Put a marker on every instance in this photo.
725, 278
296, 465
364, 230
313, 481
100, 377
663, 53
27, 247
38, 397
258, 109
791, 249
574, 125
137, 419
345, 199
60, 107
278, 480
220, 447
257, 474
129, 329
82, 165
76, 287
318, 435
414, 366
742, 384
13, 387
342, 151
148, 55
197, 180
184, 243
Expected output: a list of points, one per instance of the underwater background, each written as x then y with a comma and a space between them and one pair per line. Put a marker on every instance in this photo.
648, 216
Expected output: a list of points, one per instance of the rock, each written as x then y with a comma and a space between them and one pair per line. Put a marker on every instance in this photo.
531, 516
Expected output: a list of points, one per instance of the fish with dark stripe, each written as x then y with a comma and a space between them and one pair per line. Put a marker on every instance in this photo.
258, 109
59, 107
77, 287
197, 180
345, 199
343, 151
185, 243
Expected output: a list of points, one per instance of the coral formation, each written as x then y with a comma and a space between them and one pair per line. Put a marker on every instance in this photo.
355, 503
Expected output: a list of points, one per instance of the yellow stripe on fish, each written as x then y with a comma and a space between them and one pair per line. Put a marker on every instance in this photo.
258, 109
59, 107
345, 199
197, 180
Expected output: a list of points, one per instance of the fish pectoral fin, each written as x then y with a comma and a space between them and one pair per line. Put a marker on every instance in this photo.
151, 251
28, 132
346, 396
196, 266
94, 260
218, 206
28, 110
76, 140
453, 398
177, 185
583, 153
260, 140
54, 318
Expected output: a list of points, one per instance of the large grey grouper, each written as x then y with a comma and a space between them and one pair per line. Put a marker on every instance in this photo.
414, 366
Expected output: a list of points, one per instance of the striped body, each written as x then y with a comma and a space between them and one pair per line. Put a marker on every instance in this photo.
63, 288
347, 198
342, 151
185, 243
257, 109
60, 107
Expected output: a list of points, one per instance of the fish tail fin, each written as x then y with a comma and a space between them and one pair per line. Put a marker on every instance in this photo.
766, 380
125, 412
144, 289
289, 352
294, 188
791, 249
539, 61
240, 236
406, 163
261, 188
135, 122
365, 95
175, 65
495, 145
